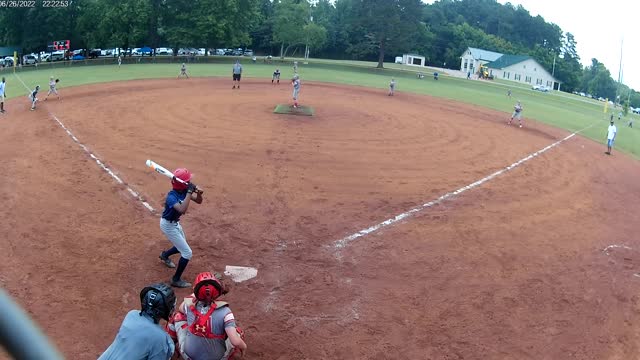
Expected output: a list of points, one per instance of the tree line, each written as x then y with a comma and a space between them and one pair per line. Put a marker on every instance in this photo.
376, 30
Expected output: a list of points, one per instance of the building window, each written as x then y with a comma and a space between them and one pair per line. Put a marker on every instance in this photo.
539, 81
549, 83
517, 77
504, 75
528, 79
524, 66
508, 75
535, 69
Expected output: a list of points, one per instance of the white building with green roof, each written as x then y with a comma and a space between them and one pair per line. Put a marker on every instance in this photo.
519, 68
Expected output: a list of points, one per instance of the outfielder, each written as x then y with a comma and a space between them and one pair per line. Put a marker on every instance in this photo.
276, 76
296, 89
517, 113
119, 60
392, 86
183, 71
204, 328
3, 86
33, 96
176, 204
237, 73
612, 131
140, 336
52, 88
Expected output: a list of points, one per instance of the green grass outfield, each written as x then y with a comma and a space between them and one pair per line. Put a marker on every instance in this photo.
563, 110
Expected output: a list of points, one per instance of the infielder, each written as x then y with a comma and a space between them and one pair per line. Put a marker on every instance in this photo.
33, 96
276, 76
612, 131
296, 89
183, 71
176, 204
392, 86
204, 328
3, 87
237, 73
140, 336
52, 88
517, 113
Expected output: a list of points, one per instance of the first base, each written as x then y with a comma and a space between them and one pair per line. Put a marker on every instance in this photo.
240, 273
290, 110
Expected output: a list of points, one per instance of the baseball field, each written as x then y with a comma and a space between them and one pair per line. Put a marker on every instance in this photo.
418, 226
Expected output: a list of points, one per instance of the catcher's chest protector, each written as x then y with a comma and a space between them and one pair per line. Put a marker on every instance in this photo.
201, 325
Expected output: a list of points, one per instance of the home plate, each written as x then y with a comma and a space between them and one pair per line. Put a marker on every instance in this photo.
240, 273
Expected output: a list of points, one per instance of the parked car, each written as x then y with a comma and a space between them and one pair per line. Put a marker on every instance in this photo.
540, 88
248, 52
56, 56
77, 57
187, 51
94, 53
636, 110
164, 51
228, 52
29, 60
219, 52
202, 52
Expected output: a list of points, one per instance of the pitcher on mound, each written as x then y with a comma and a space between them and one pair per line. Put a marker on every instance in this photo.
296, 89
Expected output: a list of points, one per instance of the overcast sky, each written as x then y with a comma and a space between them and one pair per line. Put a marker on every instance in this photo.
598, 27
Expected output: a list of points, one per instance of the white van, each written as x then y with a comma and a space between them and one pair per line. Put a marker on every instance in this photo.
57, 56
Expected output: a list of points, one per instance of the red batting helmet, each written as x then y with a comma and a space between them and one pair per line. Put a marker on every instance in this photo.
207, 287
182, 174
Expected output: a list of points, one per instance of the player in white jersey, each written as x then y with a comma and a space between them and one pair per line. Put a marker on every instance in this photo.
517, 113
296, 89
52, 88
3, 86
183, 71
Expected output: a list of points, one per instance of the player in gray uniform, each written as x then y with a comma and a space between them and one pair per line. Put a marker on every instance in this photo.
33, 96
517, 113
276, 76
52, 88
183, 71
296, 89
392, 86
237, 73
140, 336
203, 327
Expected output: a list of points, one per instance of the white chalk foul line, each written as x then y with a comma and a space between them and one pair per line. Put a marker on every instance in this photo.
339, 244
95, 158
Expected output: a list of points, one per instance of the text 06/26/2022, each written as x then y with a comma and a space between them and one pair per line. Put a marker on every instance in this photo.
32, 3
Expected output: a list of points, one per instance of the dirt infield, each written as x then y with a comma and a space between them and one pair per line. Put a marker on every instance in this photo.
514, 269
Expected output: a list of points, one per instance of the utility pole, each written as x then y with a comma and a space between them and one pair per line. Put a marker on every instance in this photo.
554, 65
619, 72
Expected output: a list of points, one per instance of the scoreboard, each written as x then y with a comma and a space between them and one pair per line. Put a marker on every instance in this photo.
61, 45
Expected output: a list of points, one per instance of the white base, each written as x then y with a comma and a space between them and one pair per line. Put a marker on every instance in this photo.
240, 273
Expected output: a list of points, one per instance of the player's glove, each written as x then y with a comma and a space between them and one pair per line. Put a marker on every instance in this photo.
191, 187
57, 80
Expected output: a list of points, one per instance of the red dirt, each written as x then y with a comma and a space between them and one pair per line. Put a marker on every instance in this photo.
514, 269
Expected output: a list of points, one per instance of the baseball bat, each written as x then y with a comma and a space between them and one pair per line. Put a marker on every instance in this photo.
161, 170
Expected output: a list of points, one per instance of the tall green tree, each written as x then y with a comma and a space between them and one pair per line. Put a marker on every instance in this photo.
388, 25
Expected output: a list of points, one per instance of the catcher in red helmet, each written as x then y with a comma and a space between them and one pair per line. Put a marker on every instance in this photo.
175, 205
205, 328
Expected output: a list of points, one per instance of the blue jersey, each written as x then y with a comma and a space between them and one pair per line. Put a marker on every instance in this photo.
173, 197
139, 338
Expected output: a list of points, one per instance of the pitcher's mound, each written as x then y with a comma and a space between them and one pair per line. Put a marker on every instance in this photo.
289, 109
